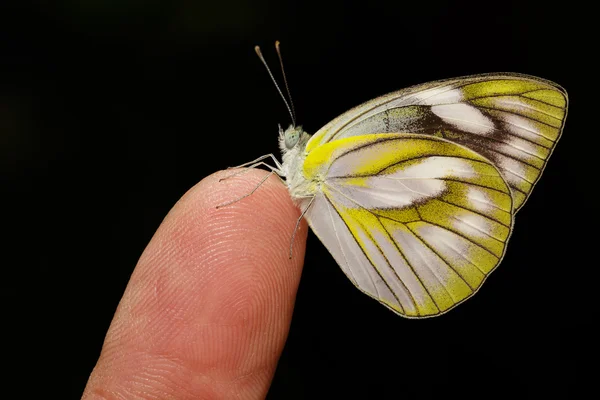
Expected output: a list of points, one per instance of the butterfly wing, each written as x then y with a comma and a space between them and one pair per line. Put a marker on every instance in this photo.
513, 120
416, 222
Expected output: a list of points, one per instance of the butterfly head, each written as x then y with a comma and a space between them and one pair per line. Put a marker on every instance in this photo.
290, 137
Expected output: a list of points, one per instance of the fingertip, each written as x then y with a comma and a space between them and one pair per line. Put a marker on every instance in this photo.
214, 290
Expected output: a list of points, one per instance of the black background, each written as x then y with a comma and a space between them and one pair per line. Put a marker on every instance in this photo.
110, 110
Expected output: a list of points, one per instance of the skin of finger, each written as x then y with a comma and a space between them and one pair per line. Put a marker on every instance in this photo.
208, 307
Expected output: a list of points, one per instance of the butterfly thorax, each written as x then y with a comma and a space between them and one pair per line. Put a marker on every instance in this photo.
293, 143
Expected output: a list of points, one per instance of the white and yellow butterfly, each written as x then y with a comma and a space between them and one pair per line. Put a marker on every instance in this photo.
414, 193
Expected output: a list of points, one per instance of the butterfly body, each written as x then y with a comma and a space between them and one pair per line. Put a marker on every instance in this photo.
414, 193
293, 156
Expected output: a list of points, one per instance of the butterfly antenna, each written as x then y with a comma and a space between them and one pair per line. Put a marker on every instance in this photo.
258, 52
287, 87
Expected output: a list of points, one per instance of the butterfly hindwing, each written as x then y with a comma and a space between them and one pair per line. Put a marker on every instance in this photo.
513, 120
416, 222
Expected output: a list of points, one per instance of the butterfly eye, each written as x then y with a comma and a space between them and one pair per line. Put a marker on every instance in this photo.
291, 138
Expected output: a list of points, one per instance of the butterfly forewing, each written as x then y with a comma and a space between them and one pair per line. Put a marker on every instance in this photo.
416, 222
512, 120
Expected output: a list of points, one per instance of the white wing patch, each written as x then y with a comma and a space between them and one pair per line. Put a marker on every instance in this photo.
518, 124
517, 170
437, 167
333, 232
439, 95
391, 192
480, 200
465, 117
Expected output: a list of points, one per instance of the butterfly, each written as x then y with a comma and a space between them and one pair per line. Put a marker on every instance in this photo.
415, 193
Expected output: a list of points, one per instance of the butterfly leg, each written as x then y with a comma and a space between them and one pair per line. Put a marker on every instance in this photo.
248, 194
312, 198
248, 168
272, 156
256, 163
